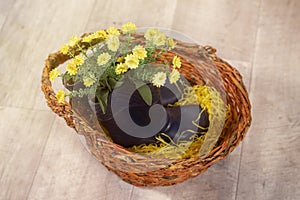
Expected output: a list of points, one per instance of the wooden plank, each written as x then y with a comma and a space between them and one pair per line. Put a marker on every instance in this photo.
22, 138
33, 30
143, 13
218, 182
229, 26
270, 163
5, 7
68, 171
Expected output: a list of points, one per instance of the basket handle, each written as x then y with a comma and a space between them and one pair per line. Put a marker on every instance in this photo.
61, 109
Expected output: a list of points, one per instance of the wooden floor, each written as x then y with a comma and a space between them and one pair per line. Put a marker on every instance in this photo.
41, 158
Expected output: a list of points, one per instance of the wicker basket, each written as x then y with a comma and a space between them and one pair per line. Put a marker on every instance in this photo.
141, 170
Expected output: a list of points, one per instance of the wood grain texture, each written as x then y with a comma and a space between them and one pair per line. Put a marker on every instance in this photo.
230, 26
143, 13
218, 182
22, 140
68, 171
5, 7
33, 30
275, 85
270, 158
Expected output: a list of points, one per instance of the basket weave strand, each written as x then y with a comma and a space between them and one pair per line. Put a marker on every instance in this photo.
141, 170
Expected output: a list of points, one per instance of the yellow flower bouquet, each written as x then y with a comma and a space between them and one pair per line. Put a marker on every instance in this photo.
115, 59
147, 103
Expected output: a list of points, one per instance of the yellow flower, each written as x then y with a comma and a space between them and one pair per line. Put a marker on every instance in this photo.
78, 60
71, 68
89, 80
156, 36
60, 95
128, 27
88, 38
113, 31
176, 62
121, 68
64, 49
171, 43
120, 59
132, 61
103, 58
159, 79
151, 33
101, 34
112, 42
53, 74
160, 39
73, 41
174, 76
140, 52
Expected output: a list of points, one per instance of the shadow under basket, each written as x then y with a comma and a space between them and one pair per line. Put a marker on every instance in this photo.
143, 170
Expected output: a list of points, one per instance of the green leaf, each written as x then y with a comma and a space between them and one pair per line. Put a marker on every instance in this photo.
112, 82
106, 84
102, 99
145, 93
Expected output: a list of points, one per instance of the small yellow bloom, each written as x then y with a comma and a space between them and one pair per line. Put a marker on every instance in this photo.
160, 39
60, 95
89, 80
95, 36
53, 74
73, 41
121, 68
132, 61
120, 59
171, 43
128, 27
101, 34
176, 62
64, 49
88, 38
71, 68
140, 52
113, 31
113, 43
159, 79
78, 60
151, 33
156, 36
174, 76
103, 58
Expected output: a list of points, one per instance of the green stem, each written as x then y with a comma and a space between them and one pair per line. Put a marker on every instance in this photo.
71, 54
127, 42
80, 48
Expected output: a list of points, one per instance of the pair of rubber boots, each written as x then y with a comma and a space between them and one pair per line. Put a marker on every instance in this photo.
130, 121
